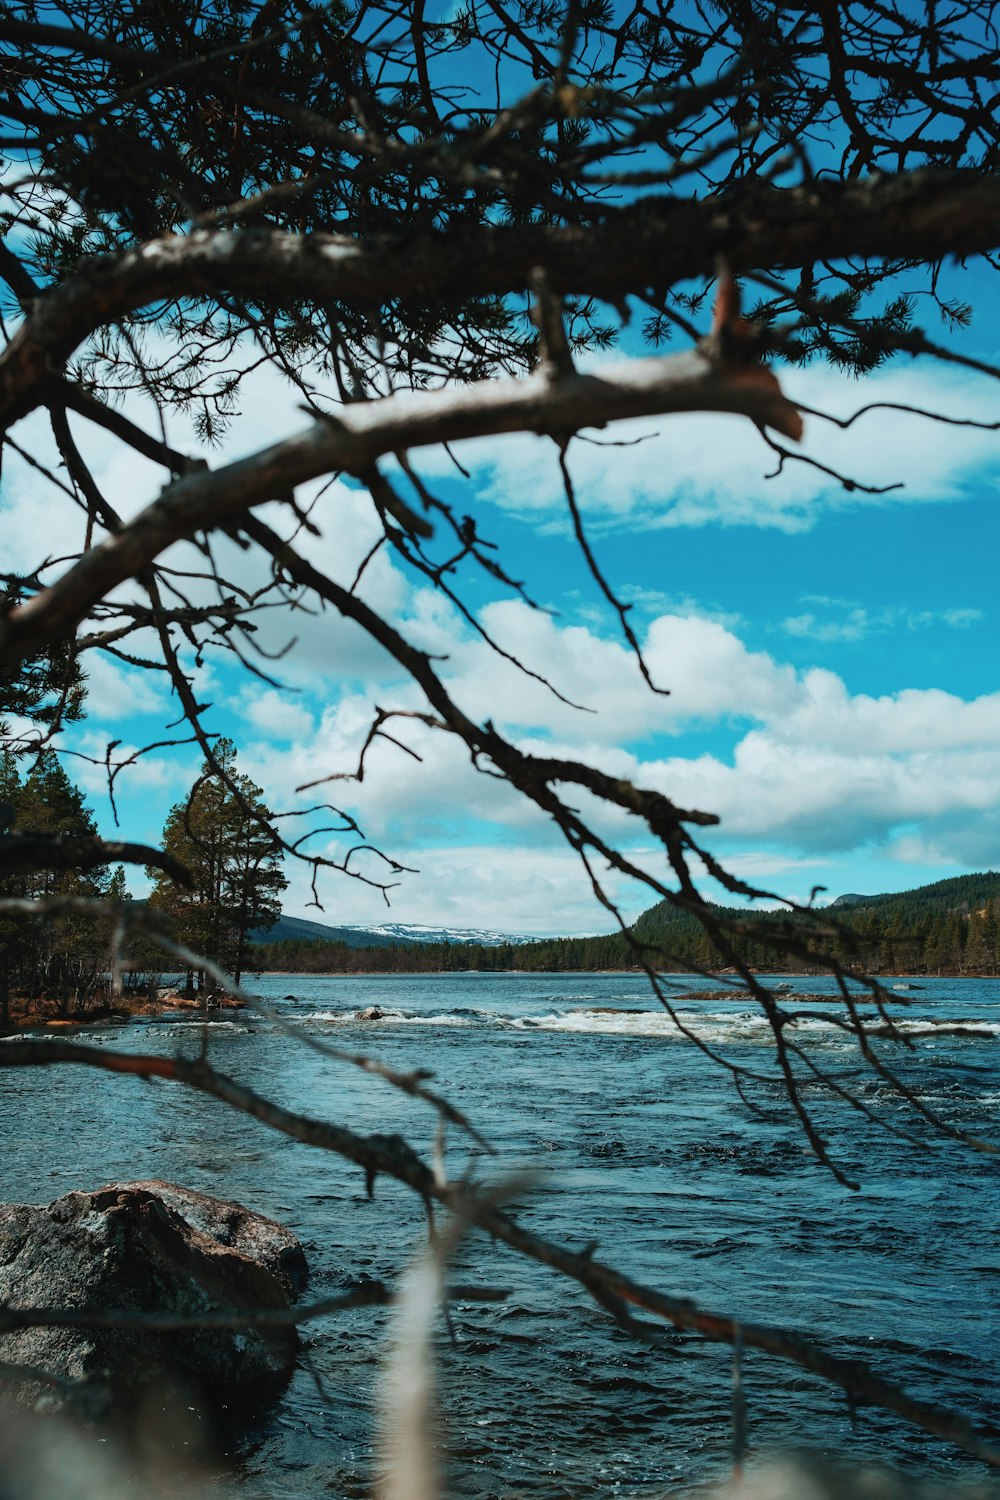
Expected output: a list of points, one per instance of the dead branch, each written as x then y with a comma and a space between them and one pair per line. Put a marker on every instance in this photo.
21, 852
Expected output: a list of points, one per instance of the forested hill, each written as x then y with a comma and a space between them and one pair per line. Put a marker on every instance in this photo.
899, 912
960, 893
950, 927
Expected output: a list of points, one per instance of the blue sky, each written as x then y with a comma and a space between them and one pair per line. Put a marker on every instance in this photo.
831, 656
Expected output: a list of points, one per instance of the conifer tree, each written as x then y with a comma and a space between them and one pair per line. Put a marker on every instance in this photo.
991, 937
49, 687
62, 958
220, 835
981, 940
11, 930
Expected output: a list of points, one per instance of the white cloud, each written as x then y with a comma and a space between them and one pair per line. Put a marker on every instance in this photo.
844, 621
144, 791
700, 469
708, 671
406, 799
799, 758
842, 771
118, 692
970, 841
39, 522
913, 721
277, 715
854, 626
542, 892
814, 771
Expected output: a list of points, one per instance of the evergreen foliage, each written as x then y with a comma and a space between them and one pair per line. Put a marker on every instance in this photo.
958, 893
220, 834
49, 687
59, 958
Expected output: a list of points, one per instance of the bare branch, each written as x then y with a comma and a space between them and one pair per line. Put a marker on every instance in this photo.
20, 852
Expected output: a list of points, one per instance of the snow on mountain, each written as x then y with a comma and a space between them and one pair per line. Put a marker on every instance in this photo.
381, 934
405, 932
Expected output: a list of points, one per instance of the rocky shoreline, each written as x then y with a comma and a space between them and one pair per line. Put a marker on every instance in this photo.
36, 1015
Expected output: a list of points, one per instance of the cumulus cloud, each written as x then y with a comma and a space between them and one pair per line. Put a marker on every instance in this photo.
793, 757
277, 715
969, 841
541, 892
707, 671
702, 469
327, 648
806, 770
118, 692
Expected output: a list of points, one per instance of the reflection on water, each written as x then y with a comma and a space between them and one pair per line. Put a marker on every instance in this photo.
645, 1148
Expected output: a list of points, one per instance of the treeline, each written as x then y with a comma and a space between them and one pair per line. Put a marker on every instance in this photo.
959, 893
60, 964
912, 934
316, 956
62, 959
906, 934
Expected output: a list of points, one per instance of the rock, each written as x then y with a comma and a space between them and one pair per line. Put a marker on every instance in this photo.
370, 1013
270, 1244
149, 1247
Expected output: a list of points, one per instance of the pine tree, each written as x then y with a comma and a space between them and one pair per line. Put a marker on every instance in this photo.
11, 929
49, 687
991, 937
981, 941
220, 836
64, 957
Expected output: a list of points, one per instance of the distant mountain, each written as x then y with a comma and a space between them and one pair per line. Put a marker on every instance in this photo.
403, 932
381, 935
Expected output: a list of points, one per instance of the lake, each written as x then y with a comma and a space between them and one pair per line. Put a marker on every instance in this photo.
644, 1146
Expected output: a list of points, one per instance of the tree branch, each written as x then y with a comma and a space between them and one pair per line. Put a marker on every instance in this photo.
365, 431
920, 215
22, 852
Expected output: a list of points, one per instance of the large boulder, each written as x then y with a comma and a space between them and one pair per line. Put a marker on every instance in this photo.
149, 1247
238, 1228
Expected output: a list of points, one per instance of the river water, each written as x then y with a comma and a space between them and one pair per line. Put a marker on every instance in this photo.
644, 1146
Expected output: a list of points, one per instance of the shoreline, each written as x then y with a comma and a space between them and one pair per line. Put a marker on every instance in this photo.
793, 987
885, 975
121, 1014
